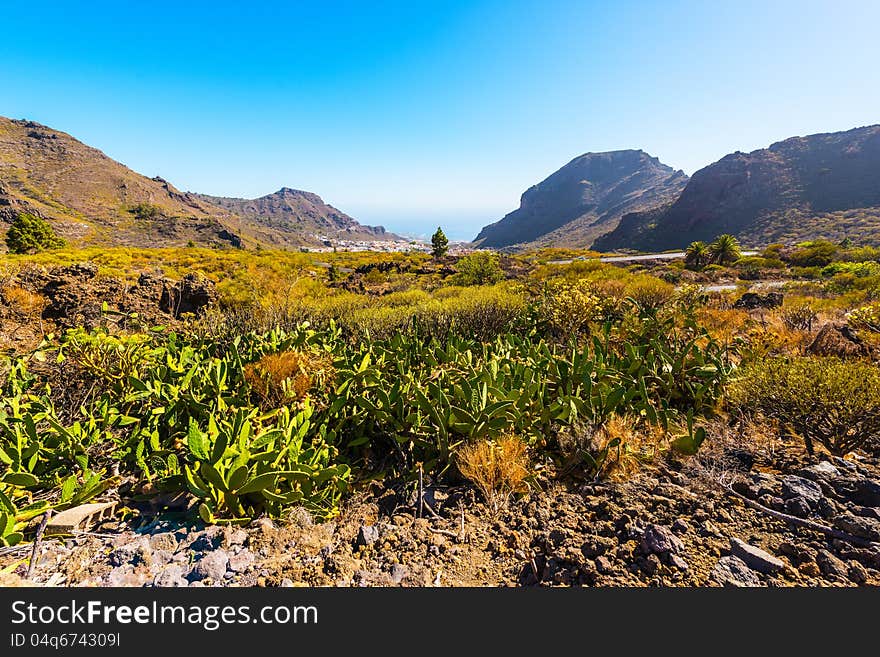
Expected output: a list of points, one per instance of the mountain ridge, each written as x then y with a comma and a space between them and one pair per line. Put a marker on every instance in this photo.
292, 211
584, 199
803, 187
91, 199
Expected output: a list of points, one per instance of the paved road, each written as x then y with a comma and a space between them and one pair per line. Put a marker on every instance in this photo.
635, 258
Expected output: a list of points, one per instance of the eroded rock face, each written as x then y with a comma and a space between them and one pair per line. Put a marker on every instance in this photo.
191, 294
75, 295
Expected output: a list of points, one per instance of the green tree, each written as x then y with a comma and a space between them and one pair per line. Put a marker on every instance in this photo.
29, 234
725, 250
697, 255
479, 268
439, 243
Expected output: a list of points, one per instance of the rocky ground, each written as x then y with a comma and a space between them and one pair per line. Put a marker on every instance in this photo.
676, 523
37, 300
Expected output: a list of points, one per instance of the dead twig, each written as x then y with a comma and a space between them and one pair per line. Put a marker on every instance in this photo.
445, 532
801, 522
461, 508
421, 492
37, 539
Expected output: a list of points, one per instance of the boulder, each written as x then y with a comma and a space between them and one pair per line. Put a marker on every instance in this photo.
753, 301
837, 340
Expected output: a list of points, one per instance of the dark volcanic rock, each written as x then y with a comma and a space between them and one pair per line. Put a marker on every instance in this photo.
658, 539
754, 557
753, 300
798, 487
191, 294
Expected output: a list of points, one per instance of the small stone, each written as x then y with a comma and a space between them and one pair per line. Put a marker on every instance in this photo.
604, 566
867, 512
287, 583
710, 529
209, 539
399, 572
211, 566
857, 573
170, 576
651, 564
809, 569
754, 557
196, 584
732, 571
134, 553
160, 558
678, 563
236, 537
748, 490
819, 471
658, 539
126, 576
867, 492
681, 526
165, 541
799, 553
797, 506
238, 563
826, 508
794, 487
858, 526
831, 566
367, 535
265, 525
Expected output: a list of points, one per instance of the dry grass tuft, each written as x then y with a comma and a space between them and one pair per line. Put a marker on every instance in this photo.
730, 451
497, 468
637, 444
287, 376
23, 302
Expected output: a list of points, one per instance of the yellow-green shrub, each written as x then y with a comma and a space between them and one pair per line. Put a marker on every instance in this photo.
821, 398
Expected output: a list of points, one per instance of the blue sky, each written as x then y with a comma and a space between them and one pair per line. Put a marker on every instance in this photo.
412, 113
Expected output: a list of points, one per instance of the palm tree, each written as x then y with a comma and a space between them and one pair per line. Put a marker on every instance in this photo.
725, 250
697, 255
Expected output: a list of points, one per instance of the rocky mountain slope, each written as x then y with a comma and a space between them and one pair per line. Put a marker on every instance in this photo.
584, 200
90, 198
823, 185
292, 215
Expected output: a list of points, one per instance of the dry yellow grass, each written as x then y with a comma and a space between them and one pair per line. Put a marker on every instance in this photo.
627, 444
497, 468
23, 302
723, 324
288, 376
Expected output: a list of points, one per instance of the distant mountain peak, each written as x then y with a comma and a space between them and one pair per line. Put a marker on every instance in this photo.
585, 199
821, 185
90, 198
